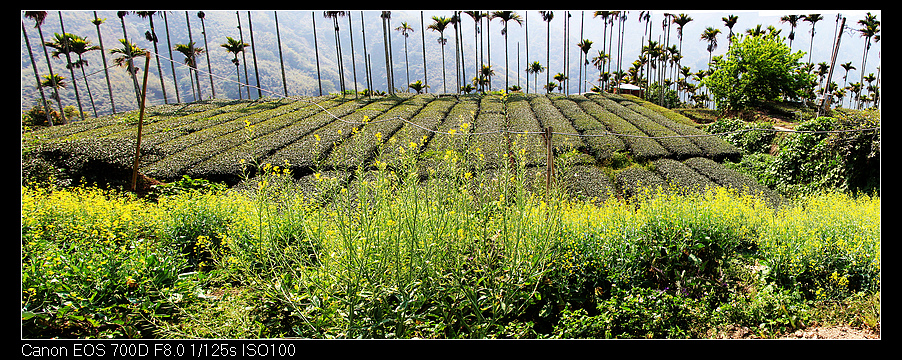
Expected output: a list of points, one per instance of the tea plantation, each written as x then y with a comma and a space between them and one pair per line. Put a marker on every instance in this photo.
605, 144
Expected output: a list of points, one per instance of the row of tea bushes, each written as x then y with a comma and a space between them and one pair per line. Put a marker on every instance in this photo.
637, 142
198, 146
311, 150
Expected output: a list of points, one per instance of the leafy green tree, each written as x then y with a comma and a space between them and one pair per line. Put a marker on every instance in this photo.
756, 69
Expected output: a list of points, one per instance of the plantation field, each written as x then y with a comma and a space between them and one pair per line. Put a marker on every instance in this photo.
604, 144
424, 216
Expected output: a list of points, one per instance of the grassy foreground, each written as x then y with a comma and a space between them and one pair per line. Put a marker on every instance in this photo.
464, 255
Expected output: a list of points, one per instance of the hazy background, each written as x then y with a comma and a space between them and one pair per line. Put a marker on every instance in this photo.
299, 50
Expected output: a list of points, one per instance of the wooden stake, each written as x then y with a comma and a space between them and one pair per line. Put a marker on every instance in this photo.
140, 125
549, 162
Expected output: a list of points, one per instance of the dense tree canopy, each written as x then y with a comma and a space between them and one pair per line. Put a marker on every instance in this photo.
755, 69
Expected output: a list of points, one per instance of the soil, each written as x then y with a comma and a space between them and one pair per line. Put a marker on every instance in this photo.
842, 332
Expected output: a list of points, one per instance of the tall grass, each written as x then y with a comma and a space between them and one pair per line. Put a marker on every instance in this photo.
470, 253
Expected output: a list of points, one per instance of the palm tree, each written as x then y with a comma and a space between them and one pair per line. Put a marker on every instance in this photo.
62, 44
38, 17
175, 83
560, 77
405, 30
813, 19
546, 17
201, 15
870, 28
81, 46
846, 66
275, 15
389, 69
417, 86
855, 88
485, 75
505, 17
729, 21
793, 21
653, 50
366, 68
599, 60
477, 21
534, 68
681, 20
243, 56
822, 68
334, 15
455, 21
316, 52
604, 37
585, 45
130, 52
191, 53
440, 23
56, 82
353, 56
97, 21
235, 46
250, 30
423, 40
152, 37
710, 35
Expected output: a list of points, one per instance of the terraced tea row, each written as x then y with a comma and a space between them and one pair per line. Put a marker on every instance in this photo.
225, 140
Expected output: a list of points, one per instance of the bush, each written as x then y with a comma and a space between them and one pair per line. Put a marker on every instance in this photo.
95, 264
756, 69
640, 146
648, 313
636, 180
749, 141
681, 176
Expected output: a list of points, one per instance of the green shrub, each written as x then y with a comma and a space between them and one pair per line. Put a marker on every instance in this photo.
648, 313
635, 181
641, 147
749, 141
681, 176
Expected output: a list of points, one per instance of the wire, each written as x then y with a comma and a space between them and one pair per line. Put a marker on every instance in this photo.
503, 131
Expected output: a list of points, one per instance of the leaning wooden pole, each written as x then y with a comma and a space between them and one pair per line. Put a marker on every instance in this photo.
549, 162
140, 124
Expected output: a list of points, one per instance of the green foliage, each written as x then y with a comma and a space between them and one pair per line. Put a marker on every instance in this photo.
749, 141
754, 70
841, 160
670, 99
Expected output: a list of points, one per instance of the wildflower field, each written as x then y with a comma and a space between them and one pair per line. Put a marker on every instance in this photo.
415, 217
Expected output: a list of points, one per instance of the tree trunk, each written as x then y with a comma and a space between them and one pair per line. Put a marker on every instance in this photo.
105, 68
281, 61
175, 83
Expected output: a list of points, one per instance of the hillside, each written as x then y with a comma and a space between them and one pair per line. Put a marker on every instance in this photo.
221, 140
